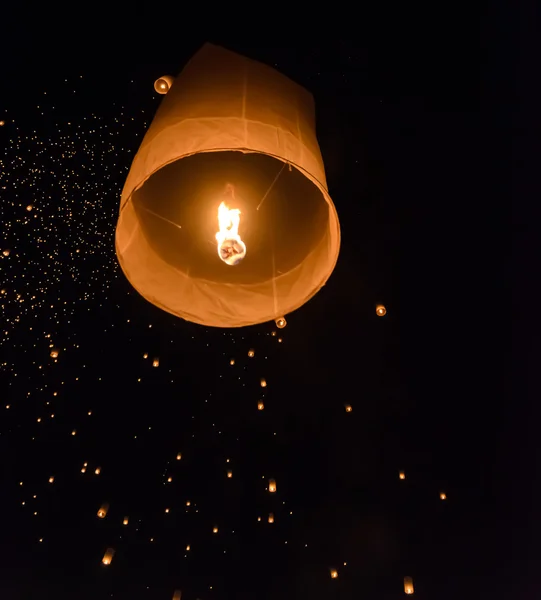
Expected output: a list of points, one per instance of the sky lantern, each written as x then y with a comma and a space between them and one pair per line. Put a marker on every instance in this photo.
225, 217
443, 496
263, 382
54, 353
260, 405
408, 585
177, 595
156, 362
381, 311
272, 485
108, 556
6, 252
348, 407
281, 322
102, 512
251, 353
271, 518
402, 475
334, 573
163, 84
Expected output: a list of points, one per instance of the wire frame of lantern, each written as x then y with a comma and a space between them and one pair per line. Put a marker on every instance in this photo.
163, 84
108, 556
408, 585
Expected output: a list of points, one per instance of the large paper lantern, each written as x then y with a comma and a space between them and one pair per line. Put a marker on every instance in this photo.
232, 140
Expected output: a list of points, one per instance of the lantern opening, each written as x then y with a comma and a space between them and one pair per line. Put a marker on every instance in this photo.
177, 211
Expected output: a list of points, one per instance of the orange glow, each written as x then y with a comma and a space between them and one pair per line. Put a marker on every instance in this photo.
381, 310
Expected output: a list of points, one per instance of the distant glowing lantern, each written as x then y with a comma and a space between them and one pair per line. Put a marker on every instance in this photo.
215, 530
83, 470
251, 353
179, 456
260, 405
125, 521
102, 512
29, 207
97, 471
279, 340
2, 123
54, 353
213, 161
108, 556
6, 252
408, 585
443, 496
229, 474
232, 362
334, 573
381, 310
74, 432
177, 595
272, 485
402, 475
51, 479
271, 518
348, 408
145, 355
281, 322
263, 382
156, 362
163, 84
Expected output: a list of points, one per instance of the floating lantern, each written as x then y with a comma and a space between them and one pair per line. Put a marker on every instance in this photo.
251, 353
443, 496
177, 595
54, 353
163, 84
156, 362
29, 207
260, 405
348, 408
408, 585
102, 512
125, 521
232, 362
281, 322
222, 137
229, 474
334, 573
108, 556
215, 530
263, 382
381, 310
179, 456
272, 485
6, 252
271, 518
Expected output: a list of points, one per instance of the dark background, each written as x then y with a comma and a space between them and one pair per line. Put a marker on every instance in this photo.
408, 146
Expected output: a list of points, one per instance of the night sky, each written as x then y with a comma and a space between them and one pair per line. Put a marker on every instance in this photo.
398, 127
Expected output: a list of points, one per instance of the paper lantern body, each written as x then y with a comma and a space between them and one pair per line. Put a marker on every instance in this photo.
236, 131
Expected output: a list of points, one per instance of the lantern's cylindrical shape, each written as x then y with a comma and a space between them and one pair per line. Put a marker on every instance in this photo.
408, 585
236, 131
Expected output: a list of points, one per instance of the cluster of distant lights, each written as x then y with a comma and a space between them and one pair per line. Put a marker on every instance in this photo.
35, 292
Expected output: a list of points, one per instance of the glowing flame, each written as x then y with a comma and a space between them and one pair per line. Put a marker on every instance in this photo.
231, 248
